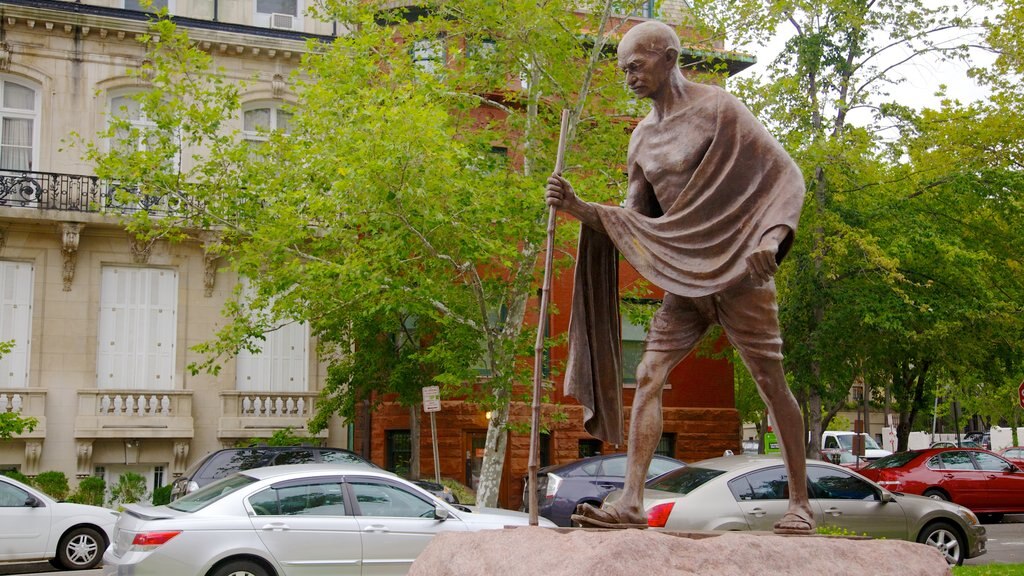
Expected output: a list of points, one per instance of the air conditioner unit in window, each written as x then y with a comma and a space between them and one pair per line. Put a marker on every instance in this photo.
283, 21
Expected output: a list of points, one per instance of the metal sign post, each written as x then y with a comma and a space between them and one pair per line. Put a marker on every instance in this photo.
431, 405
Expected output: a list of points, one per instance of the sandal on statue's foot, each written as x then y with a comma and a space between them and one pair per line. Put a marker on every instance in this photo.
794, 523
589, 516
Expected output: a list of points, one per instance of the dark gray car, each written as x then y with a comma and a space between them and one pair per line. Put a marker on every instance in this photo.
562, 487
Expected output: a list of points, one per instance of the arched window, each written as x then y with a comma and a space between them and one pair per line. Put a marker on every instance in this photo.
260, 118
141, 132
19, 124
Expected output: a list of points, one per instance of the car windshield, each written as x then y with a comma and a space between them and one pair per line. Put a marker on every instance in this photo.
846, 441
893, 461
211, 493
684, 480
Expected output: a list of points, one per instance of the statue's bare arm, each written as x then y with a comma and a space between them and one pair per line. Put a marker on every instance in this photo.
562, 196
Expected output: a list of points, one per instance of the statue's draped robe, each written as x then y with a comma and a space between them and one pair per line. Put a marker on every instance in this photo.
745, 185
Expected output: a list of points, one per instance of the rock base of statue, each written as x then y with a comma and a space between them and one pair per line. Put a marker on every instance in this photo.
529, 551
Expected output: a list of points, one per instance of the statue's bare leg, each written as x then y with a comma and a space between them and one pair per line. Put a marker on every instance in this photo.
645, 426
789, 426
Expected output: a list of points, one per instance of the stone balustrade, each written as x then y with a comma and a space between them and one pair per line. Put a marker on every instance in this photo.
27, 403
134, 414
259, 414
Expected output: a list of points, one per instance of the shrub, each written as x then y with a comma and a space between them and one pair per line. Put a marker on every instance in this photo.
162, 495
130, 487
18, 476
90, 491
461, 491
54, 483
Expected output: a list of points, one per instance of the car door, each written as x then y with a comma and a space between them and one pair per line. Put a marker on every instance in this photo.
958, 476
1004, 484
308, 526
396, 524
849, 502
763, 497
24, 528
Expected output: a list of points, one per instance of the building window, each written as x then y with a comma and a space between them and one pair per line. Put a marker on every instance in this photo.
633, 336
544, 452
158, 477
16, 280
428, 55
589, 447
398, 446
137, 328
19, 106
139, 133
667, 445
149, 5
858, 393
283, 14
260, 119
280, 363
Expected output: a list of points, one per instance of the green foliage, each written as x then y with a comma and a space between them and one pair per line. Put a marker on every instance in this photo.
990, 570
91, 490
18, 476
463, 493
130, 488
162, 495
841, 423
282, 437
12, 423
54, 483
834, 530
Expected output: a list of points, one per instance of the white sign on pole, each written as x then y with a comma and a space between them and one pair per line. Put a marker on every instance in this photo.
431, 399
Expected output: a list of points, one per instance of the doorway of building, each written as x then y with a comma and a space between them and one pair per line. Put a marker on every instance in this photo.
474, 447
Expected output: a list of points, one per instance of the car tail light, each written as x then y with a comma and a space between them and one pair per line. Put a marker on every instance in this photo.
150, 540
658, 515
552, 485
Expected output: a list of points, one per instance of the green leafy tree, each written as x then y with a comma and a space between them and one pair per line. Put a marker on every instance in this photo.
129, 488
402, 195
12, 423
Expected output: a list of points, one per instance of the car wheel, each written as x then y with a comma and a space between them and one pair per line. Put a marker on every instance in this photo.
947, 540
80, 549
240, 568
936, 495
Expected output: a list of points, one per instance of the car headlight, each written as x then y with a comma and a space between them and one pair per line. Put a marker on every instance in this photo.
970, 517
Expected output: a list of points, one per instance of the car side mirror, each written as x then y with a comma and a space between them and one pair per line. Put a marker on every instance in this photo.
886, 497
32, 502
440, 513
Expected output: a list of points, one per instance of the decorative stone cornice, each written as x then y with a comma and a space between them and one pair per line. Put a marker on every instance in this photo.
5, 56
70, 233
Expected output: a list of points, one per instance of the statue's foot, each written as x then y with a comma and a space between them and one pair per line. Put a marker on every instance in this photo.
590, 516
794, 522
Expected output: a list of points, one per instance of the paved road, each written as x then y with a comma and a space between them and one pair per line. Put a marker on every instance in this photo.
1005, 546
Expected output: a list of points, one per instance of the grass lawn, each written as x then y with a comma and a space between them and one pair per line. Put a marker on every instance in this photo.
990, 570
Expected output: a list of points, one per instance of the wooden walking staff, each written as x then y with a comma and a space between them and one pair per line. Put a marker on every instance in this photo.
538, 349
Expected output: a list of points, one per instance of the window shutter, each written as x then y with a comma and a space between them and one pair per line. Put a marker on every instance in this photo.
16, 280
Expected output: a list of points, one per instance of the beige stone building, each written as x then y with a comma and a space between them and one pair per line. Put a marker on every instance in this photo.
102, 326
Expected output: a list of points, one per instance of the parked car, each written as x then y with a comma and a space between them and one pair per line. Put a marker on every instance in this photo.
982, 438
842, 440
339, 519
983, 481
844, 458
750, 492
35, 527
949, 444
1014, 454
222, 463
562, 487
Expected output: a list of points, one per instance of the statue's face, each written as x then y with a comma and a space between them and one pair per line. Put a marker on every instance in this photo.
646, 70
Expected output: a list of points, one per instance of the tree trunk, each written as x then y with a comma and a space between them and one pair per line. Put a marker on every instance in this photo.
494, 458
414, 441
814, 424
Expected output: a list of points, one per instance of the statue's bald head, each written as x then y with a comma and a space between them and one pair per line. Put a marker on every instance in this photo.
651, 36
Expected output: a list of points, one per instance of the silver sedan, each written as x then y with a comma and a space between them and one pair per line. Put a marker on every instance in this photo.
751, 493
302, 520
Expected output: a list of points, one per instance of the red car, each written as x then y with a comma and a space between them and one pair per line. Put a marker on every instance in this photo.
1014, 454
974, 478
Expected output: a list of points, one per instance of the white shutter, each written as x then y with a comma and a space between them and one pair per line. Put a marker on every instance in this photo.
137, 328
280, 366
16, 321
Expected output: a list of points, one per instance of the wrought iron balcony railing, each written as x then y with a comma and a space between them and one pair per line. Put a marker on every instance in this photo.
73, 192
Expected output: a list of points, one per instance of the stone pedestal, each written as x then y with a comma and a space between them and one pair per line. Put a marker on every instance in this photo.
529, 551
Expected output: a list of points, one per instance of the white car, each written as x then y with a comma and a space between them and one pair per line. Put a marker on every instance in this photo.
295, 520
35, 527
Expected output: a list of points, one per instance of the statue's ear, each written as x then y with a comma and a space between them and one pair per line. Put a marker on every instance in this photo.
672, 55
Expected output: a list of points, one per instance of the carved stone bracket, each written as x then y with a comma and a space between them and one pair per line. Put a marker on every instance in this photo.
180, 457
33, 452
70, 233
141, 249
3, 238
277, 86
84, 452
210, 242
5, 56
